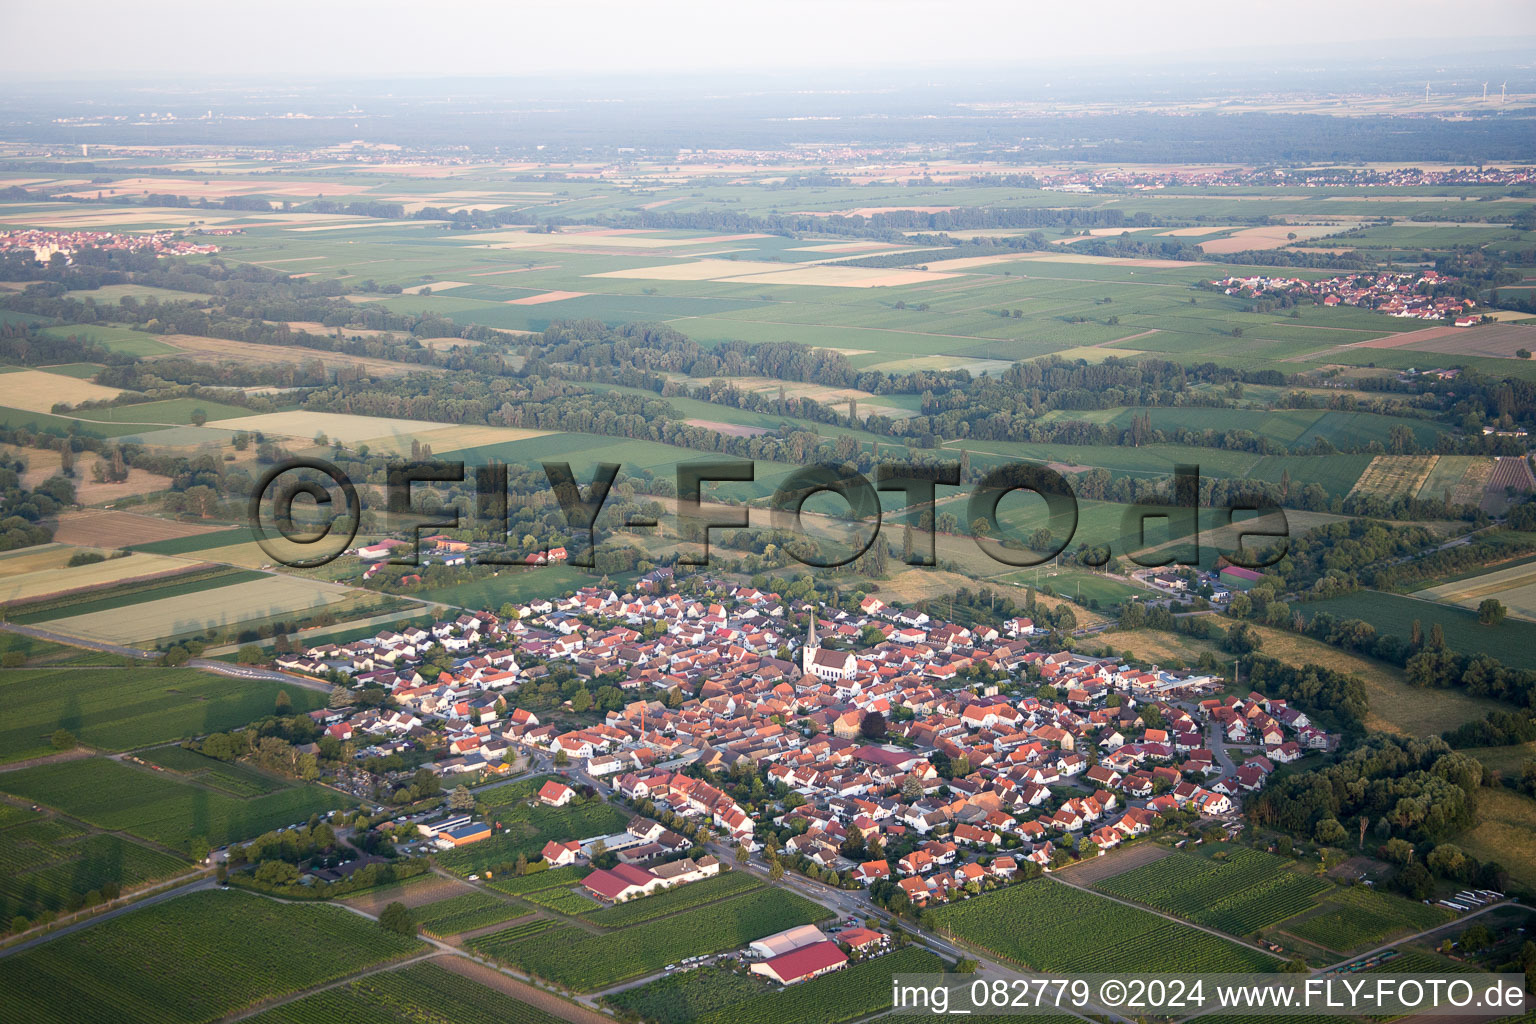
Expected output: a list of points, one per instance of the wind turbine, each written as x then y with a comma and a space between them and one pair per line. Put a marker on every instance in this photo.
1426, 92
1501, 91
1485, 92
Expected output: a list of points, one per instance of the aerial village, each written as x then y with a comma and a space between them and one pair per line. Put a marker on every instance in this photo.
44, 245
1407, 294
891, 748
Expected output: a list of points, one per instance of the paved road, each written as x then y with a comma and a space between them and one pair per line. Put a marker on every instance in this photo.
224, 668
72, 641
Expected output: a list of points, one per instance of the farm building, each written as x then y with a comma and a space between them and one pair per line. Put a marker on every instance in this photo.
802, 964
1238, 578
464, 835
622, 882
780, 943
561, 854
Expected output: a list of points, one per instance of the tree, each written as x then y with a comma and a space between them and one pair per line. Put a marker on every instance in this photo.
741, 854
461, 799
397, 918
1490, 612
872, 727
1330, 832
284, 704
199, 417
250, 654
776, 871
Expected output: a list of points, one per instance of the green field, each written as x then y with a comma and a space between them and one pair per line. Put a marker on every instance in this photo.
1511, 641
1240, 894
568, 956
1072, 930
464, 912
161, 808
117, 339
47, 864
1358, 918
232, 777
192, 959
120, 709
419, 994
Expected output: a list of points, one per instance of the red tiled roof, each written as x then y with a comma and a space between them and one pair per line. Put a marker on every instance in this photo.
798, 963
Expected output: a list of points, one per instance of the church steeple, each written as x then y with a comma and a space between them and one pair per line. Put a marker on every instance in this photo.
812, 644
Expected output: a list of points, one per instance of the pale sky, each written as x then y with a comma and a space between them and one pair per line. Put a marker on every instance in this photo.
181, 38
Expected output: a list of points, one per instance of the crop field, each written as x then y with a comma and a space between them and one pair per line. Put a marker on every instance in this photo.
728, 883
191, 959
160, 808
196, 579
527, 829
1072, 930
26, 586
1358, 918
232, 777
683, 997
205, 612
351, 430
46, 863
1511, 641
120, 709
423, 993
115, 339
465, 912
1395, 476
1514, 587
563, 901
567, 956
1239, 895
111, 528
37, 391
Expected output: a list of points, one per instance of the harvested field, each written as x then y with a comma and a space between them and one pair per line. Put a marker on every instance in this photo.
452, 439
205, 611
826, 276
110, 528
1272, 236
42, 582
539, 300
1208, 229
1106, 261
36, 391
224, 350
434, 287
695, 270
35, 559
349, 429
870, 211
1498, 341
729, 429
413, 892
1393, 476
1515, 587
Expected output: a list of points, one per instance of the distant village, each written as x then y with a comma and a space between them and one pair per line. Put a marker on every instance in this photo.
1403, 294
911, 736
46, 244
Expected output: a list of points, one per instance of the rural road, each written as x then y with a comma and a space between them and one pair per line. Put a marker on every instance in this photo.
91, 645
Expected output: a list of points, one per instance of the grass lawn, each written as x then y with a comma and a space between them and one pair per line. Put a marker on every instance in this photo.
1506, 833
1395, 706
